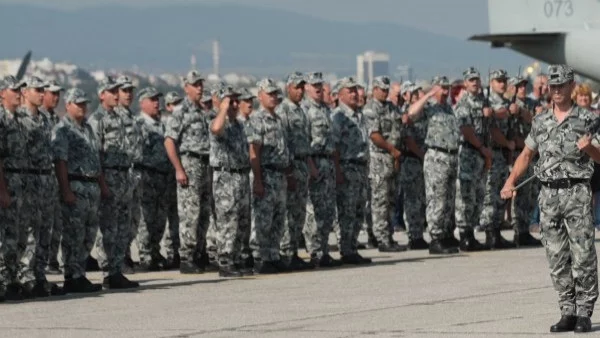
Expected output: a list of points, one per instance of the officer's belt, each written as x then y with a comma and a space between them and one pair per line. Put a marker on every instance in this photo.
203, 158
139, 166
271, 167
232, 170
444, 150
28, 171
354, 161
564, 183
82, 178
117, 168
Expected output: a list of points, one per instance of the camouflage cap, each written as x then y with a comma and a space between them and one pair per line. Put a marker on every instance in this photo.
314, 78
173, 98
11, 82
108, 83
34, 82
76, 95
559, 74
192, 77
295, 78
149, 93
346, 82
206, 96
245, 94
406, 86
382, 82
414, 88
267, 85
53, 86
471, 73
498, 74
440, 81
513, 81
217, 87
125, 82
227, 91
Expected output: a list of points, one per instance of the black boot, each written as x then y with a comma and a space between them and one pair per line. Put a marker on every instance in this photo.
584, 324
439, 247
451, 241
53, 268
495, 241
91, 264
118, 281
565, 324
468, 243
524, 239
128, 265
228, 270
417, 244
390, 246
326, 261
372, 240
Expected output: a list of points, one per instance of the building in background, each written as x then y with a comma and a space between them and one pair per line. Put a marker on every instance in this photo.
404, 73
370, 65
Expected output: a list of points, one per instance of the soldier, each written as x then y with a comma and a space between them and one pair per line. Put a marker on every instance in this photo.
524, 203
229, 161
115, 182
14, 157
186, 141
272, 175
246, 103
77, 164
207, 102
320, 209
362, 98
327, 95
492, 214
351, 164
474, 159
297, 127
565, 199
49, 104
384, 158
440, 162
154, 169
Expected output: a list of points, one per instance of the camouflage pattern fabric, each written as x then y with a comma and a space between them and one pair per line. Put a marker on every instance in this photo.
413, 188
171, 238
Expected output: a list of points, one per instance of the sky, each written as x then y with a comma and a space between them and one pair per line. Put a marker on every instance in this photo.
457, 18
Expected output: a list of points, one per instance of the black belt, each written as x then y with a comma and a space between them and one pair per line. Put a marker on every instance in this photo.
82, 178
232, 170
272, 168
444, 150
355, 161
321, 156
117, 168
564, 183
469, 145
142, 167
28, 171
203, 158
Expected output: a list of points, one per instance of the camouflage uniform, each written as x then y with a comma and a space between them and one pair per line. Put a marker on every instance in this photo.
245, 225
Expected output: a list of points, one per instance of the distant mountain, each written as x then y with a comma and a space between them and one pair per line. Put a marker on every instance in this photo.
254, 41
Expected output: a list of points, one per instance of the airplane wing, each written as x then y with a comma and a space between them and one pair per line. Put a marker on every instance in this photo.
505, 40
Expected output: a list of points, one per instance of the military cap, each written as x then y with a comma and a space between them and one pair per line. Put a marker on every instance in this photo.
559, 74
346, 82
382, 82
206, 96
227, 91
53, 86
406, 86
295, 78
245, 94
192, 77
471, 73
125, 82
172, 98
440, 81
216, 88
149, 93
513, 81
10, 82
314, 78
498, 74
415, 87
34, 82
108, 83
76, 95
267, 85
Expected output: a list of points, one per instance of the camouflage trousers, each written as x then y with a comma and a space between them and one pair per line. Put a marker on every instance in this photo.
231, 191
522, 204
136, 207
381, 181
413, 190
80, 226
492, 213
268, 213
42, 195
470, 189
296, 210
439, 171
172, 231
194, 205
567, 233
115, 222
320, 208
57, 229
153, 189
351, 198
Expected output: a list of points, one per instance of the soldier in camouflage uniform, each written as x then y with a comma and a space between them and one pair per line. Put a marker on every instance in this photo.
492, 214
154, 169
51, 99
384, 158
565, 200
14, 157
473, 156
76, 153
186, 141
320, 208
231, 185
115, 180
297, 127
524, 203
351, 139
440, 162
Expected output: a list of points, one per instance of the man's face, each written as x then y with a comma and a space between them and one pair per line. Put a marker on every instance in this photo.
245, 107
77, 110
34, 96
125, 96
110, 97
349, 96
268, 100
362, 99
295, 92
499, 85
522, 89
11, 97
327, 94
562, 93
394, 94
150, 106
316, 92
51, 99
194, 91
380, 94
473, 85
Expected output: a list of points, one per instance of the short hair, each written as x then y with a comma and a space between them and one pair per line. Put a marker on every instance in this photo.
581, 89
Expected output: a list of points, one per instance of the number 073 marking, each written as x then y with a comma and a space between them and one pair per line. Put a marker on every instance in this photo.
557, 8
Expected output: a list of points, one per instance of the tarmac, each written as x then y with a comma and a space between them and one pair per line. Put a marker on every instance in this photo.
408, 294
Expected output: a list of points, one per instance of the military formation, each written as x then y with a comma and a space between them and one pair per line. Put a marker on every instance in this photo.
244, 189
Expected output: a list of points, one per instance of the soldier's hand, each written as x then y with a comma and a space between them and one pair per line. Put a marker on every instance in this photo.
584, 142
397, 163
396, 153
406, 119
435, 90
4, 200
508, 191
181, 178
69, 198
258, 188
224, 107
513, 108
487, 112
488, 163
485, 152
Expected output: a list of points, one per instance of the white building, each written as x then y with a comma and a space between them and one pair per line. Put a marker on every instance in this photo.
371, 64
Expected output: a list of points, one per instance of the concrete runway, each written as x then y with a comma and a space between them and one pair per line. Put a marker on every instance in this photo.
409, 294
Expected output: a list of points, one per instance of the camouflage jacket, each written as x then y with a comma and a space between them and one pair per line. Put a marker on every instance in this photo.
442, 126
188, 127
297, 127
13, 140
380, 118
115, 150
151, 134
78, 146
351, 136
266, 129
321, 128
230, 150
38, 130
469, 112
